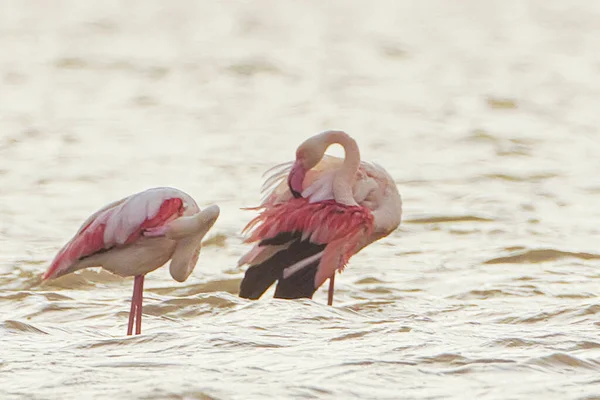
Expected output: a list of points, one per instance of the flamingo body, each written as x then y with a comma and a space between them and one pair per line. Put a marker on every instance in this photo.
136, 235
313, 222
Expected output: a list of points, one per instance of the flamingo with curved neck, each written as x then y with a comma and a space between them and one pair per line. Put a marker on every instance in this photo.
312, 223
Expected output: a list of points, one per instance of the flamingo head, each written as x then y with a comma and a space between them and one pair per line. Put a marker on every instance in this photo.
308, 155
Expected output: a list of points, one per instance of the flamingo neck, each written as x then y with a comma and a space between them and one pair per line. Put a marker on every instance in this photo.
344, 179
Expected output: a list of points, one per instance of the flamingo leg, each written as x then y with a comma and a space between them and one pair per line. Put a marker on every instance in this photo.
133, 309
330, 292
138, 321
136, 306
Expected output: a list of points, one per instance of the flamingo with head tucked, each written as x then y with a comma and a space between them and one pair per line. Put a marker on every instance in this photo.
136, 235
314, 221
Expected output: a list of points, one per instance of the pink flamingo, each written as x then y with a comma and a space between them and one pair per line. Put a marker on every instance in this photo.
136, 235
310, 225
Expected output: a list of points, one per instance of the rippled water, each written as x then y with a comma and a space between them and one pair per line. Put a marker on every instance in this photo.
486, 114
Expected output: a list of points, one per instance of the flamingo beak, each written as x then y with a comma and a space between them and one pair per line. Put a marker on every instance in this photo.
296, 179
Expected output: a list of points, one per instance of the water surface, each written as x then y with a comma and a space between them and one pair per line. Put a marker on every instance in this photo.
485, 113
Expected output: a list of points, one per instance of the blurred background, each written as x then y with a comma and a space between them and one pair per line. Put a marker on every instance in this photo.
484, 112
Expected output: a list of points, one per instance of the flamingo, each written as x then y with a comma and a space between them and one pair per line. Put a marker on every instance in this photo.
136, 235
313, 222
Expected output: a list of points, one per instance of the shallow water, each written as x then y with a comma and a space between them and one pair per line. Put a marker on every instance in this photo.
485, 113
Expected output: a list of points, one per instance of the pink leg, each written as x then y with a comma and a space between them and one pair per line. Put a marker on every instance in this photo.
330, 292
138, 322
136, 305
133, 308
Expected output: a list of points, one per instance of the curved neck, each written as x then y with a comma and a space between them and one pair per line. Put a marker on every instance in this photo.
344, 181
351, 151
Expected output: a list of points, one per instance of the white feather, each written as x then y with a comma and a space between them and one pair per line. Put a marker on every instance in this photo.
292, 269
276, 175
321, 189
130, 214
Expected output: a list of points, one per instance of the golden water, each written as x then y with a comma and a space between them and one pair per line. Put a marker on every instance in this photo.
485, 112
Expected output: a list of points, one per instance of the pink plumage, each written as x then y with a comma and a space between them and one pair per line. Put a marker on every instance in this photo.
320, 212
136, 235
320, 223
91, 238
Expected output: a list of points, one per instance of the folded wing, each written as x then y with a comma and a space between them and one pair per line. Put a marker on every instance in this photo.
300, 244
119, 224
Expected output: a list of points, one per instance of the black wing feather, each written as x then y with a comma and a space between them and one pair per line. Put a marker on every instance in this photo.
260, 277
299, 285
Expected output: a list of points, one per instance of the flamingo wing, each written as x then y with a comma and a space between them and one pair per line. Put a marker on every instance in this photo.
300, 244
262, 274
118, 224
